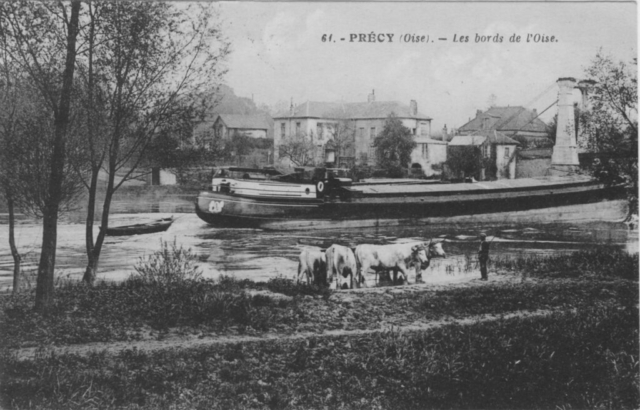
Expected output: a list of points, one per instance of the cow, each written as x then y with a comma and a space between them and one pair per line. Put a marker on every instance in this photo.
397, 257
341, 262
313, 265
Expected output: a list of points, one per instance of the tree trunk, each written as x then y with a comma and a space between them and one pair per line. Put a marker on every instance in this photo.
44, 287
92, 263
94, 256
17, 259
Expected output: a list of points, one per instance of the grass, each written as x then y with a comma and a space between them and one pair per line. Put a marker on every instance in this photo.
603, 262
585, 355
120, 312
584, 360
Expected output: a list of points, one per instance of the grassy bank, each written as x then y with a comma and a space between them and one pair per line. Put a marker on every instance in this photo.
602, 262
583, 355
128, 311
584, 360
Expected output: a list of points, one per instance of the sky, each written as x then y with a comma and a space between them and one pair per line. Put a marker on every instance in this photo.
278, 53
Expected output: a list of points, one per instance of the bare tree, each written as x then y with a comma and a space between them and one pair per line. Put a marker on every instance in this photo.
343, 138
143, 65
40, 39
299, 149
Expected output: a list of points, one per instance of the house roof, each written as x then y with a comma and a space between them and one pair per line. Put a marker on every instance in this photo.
506, 119
359, 110
479, 137
467, 140
496, 137
245, 122
427, 140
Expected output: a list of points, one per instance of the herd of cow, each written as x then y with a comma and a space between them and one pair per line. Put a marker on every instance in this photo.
348, 266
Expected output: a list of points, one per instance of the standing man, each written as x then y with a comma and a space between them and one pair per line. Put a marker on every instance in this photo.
483, 256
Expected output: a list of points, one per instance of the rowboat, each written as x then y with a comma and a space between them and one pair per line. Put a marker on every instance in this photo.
159, 225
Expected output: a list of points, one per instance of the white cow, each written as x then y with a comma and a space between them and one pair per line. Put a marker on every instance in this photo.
313, 265
341, 263
397, 257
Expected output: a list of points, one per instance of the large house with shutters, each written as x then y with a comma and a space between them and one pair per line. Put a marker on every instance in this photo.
321, 121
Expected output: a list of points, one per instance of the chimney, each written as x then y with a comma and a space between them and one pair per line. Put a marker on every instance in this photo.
372, 96
478, 112
291, 109
413, 107
445, 135
535, 113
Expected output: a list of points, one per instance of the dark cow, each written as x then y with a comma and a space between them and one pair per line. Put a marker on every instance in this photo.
313, 265
341, 263
397, 258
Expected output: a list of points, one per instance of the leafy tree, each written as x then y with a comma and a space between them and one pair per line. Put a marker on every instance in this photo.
40, 39
611, 124
464, 161
394, 144
143, 67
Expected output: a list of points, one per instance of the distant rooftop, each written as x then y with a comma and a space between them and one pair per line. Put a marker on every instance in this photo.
239, 121
479, 137
359, 110
506, 119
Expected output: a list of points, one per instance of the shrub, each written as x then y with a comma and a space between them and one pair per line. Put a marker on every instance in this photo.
167, 266
290, 288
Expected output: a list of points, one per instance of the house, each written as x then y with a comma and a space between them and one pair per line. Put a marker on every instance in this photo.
496, 153
428, 156
515, 122
321, 121
254, 126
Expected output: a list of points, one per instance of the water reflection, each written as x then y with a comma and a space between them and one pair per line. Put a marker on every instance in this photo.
260, 255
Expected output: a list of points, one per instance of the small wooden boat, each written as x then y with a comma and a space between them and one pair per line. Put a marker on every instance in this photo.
159, 225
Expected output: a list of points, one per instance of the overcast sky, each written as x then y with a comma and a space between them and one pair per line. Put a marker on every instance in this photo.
278, 53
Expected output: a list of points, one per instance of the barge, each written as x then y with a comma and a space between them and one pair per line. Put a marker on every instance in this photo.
324, 199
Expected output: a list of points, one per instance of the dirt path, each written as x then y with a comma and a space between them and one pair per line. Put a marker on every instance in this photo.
355, 300
192, 341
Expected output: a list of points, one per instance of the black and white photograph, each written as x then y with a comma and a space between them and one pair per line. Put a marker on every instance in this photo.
319, 205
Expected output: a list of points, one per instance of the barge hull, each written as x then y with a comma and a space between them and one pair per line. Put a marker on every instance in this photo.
587, 202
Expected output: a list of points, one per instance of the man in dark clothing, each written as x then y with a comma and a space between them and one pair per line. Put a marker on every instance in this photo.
483, 256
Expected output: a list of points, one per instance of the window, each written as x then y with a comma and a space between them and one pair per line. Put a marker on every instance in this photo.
425, 151
506, 152
413, 131
319, 130
297, 128
372, 133
361, 132
283, 127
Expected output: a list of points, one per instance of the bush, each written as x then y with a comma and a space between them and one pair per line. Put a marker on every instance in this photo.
291, 288
167, 266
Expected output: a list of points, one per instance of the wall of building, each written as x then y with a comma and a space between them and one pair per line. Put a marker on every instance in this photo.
434, 154
530, 168
505, 169
255, 133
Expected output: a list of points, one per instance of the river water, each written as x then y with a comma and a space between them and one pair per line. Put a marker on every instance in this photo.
260, 255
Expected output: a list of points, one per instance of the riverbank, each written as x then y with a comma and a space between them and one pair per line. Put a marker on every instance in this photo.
536, 340
127, 199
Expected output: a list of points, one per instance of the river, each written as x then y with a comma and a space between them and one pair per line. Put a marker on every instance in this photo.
260, 255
